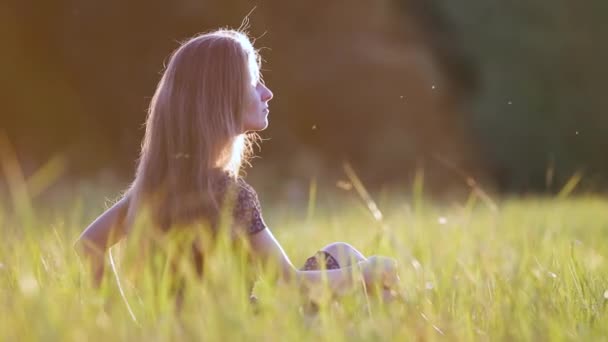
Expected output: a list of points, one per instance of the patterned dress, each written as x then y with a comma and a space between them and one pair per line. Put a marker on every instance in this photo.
248, 218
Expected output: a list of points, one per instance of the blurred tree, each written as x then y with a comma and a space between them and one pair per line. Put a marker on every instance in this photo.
384, 84
540, 104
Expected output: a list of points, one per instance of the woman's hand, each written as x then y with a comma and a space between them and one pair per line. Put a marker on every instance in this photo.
380, 270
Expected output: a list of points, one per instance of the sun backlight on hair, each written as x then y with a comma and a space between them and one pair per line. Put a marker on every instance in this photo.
189, 132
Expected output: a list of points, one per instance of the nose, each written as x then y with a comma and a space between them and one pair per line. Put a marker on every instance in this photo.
266, 93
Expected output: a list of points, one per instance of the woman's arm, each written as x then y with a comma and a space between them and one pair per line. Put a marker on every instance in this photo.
374, 270
100, 235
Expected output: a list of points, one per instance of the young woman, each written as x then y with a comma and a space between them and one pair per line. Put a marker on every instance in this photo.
210, 97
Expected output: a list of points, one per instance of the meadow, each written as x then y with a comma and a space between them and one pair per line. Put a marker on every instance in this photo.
530, 268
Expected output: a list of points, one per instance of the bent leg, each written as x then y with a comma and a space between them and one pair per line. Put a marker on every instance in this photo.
344, 253
332, 256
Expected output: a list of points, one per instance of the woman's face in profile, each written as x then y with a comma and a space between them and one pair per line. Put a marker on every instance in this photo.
255, 105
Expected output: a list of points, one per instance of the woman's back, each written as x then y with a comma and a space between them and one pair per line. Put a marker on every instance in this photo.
238, 216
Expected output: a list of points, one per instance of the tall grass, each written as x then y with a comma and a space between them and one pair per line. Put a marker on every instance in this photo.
520, 269
532, 269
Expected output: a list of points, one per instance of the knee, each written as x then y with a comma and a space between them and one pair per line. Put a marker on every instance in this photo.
338, 247
344, 253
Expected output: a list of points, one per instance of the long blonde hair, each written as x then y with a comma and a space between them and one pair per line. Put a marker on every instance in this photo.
194, 129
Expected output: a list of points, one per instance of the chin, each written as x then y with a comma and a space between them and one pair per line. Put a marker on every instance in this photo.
264, 125
258, 126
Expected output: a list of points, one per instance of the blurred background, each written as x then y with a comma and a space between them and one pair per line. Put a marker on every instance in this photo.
507, 93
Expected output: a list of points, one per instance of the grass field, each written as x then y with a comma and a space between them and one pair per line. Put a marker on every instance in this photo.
526, 269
